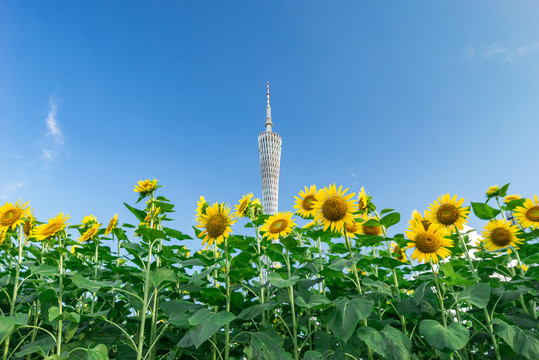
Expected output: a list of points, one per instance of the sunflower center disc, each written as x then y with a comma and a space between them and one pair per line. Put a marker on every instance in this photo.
372, 230
447, 214
51, 229
334, 209
27, 228
351, 229
427, 243
216, 225
278, 226
533, 213
242, 207
10, 217
308, 202
501, 236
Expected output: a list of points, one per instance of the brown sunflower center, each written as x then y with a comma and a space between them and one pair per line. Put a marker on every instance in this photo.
447, 214
27, 228
501, 236
308, 202
216, 225
533, 213
242, 207
334, 209
278, 226
10, 217
352, 228
372, 230
428, 242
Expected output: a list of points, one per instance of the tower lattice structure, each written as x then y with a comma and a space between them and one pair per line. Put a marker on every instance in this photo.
269, 146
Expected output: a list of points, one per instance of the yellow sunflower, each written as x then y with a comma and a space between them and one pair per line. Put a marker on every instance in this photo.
56, 224
304, 203
241, 208
499, 234
398, 252
416, 216
512, 197
90, 233
3, 236
493, 191
12, 215
363, 200
333, 208
89, 220
371, 230
216, 224
112, 224
202, 205
278, 225
28, 225
528, 214
448, 212
429, 244
353, 228
146, 187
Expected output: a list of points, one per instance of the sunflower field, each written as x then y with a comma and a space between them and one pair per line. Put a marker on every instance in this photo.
343, 286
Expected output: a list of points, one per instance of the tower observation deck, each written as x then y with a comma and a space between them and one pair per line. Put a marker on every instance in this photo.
269, 146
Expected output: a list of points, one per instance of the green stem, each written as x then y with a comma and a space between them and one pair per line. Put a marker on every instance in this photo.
261, 271
60, 298
227, 289
144, 302
291, 296
438, 292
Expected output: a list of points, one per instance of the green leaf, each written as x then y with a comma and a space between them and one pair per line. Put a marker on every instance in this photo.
44, 269
503, 190
522, 342
266, 345
371, 222
388, 342
140, 215
151, 234
176, 312
342, 263
8, 324
314, 301
43, 346
161, 275
390, 219
100, 352
206, 323
484, 211
385, 211
477, 295
446, 339
279, 282
253, 311
198, 277
347, 314
176, 234
451, 278
92, 285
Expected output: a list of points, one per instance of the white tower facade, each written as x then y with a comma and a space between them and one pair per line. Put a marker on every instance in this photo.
269, 146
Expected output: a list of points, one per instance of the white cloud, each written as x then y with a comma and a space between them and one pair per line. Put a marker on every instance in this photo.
505, 53
54, 138
9, 189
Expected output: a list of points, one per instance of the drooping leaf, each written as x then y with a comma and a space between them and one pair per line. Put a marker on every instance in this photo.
266, 345
388, 342
346, 315
484, 211
522, 342
390, 219
253, 311
314, 301
205, 323
446, 339
477, 295
8, 324
139, 214
99, 352
43, 346
92, 285
276, 280
162, 275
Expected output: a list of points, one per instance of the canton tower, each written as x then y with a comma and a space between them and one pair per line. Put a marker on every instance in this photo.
269, 146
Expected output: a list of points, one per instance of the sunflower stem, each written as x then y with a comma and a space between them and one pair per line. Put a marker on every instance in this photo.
60, 297
261, 271
354, 267
292, 306
438, 292
500, 206
227, 289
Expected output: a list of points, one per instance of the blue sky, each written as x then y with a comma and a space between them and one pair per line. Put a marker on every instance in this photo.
410, 100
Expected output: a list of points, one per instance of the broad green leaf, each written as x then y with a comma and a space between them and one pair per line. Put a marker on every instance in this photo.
314, 301
206, 323
390, 219
446, 339
522, 342
503, 190
484, 211
313, 355
388, 342
347, 314
200, 276
44, 269
383, 287
276, 280
176, 234
371, 222
344, 263
477, 295
451, 278
43, 346
151, 234
266, 345
385, 211
8, 324
92, 285
161, 275
253, 311
99, 352
139, 214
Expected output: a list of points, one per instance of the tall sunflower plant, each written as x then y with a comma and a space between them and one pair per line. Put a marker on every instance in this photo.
334, 278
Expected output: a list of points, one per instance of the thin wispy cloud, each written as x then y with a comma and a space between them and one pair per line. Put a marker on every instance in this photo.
54, 138
497, 51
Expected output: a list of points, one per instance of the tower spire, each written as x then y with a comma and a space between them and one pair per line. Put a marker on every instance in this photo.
268, 124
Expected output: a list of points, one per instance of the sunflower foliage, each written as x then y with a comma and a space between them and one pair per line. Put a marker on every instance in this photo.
333, 280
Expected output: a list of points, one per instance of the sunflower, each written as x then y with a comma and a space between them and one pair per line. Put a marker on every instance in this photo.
216, 224
241, 208
363, 200
429, 244
416, 216
3, 236
12, 215
371, 230
202, 205
493, 191
89, 220
304, 203
28, 225
333, 208
90, 233
448, 212
44, 231
528, 214
112, 224
278, 225
510, 198
353, 228
398, 252
499, 234
146, 187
